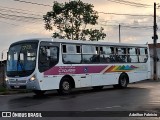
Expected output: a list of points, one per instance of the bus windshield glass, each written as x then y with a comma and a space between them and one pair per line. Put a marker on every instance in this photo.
21, 59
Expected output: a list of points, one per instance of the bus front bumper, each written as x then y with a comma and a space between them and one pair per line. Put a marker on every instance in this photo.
20, 84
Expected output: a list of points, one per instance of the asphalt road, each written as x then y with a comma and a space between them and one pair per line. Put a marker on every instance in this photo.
143, 96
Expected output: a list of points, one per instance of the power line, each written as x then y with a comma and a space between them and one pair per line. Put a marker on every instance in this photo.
98, 12
21, 10
122, 23
127, 14
123, 1
13, 11
34, 3
127, 26
130, 3
20, 16
135, 4
141, 27
26, 18
15, 19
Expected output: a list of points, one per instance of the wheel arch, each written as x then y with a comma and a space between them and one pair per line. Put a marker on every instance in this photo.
71, 80
124, 73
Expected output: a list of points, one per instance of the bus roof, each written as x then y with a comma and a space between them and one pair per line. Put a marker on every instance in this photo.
83, 42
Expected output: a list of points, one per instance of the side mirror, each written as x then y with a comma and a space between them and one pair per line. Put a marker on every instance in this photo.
7, 55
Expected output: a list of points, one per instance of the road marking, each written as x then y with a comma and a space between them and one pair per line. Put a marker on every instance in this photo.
113, 107
108, 107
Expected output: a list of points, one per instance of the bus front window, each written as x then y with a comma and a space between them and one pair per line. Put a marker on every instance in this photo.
21, 59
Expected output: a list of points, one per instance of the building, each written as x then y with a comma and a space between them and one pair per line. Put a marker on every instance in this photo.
151, 46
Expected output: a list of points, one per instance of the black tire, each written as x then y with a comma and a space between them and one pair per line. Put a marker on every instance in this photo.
65, 86
123, 80
97, 88
39, 92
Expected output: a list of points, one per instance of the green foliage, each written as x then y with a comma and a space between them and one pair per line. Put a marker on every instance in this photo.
2, 89
70, 21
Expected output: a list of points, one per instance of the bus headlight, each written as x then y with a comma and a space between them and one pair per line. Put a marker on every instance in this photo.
6, 79
33, 78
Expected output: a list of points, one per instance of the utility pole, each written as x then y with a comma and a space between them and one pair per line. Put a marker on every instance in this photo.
155, 37
119, 33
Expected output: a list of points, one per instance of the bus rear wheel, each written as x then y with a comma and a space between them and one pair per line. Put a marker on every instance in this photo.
65, 87
123, 80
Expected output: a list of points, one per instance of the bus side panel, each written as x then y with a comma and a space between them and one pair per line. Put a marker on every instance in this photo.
49, 82
85, 80
82, 80
137, 76
105, 79
77, 80
132, 77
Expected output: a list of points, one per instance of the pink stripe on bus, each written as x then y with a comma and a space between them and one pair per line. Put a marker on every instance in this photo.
61, 70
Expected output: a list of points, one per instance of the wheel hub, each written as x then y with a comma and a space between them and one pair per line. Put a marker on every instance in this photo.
66, 85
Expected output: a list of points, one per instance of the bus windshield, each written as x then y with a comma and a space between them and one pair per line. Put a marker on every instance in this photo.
21, 59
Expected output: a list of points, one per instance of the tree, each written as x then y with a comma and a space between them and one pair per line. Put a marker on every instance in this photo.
70, 20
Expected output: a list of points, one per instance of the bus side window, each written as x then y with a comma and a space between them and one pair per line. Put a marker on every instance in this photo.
90, 54
42, 54
53, 55
143, 56
121, 55
112, 55
124, 54
64, 49
105, 52
118, 55
132, 55
71, 54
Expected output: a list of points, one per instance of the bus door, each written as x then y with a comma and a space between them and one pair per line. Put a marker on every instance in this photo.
85, 79
48, 58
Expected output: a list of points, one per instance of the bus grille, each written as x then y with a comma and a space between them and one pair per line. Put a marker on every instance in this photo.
20, 81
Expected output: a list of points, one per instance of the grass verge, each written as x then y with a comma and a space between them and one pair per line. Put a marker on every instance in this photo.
5, 91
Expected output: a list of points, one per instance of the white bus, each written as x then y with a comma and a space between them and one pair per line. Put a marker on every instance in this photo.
48, 64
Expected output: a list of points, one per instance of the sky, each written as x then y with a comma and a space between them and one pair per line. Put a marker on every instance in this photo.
134, 29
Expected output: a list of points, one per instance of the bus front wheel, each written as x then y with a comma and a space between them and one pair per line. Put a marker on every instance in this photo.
65, 86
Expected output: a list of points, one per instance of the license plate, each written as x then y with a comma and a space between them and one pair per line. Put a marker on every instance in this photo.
16, 86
